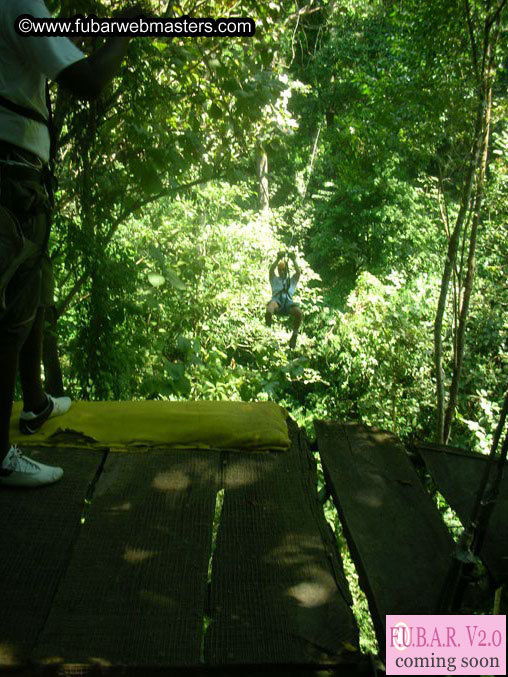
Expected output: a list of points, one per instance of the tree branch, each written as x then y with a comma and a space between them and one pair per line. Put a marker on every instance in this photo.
496, 14
474, 49
447, 272
468, 282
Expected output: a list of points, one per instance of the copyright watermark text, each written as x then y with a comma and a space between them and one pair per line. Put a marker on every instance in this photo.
184, 26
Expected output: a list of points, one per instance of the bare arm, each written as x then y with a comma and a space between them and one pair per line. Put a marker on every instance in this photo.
296, 276
88, 77
271, 271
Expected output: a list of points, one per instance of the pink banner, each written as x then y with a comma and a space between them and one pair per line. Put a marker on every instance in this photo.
445, 644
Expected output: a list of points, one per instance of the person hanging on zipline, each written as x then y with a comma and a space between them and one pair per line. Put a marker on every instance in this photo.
283, 288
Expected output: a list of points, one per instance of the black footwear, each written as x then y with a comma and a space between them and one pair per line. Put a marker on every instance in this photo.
29, 423
292, 341
268, 318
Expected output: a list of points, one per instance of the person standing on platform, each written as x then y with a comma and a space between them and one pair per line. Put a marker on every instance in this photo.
26, 201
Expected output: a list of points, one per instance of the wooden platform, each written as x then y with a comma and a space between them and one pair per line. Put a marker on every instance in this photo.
132, 561
457, 474
207, 562
401, 547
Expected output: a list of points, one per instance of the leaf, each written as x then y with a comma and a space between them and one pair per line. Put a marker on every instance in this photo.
156, 253
161, 46
229, 85
146, 175
184, 344
159, 157
156, 280
215, 112
170, 274
174, 279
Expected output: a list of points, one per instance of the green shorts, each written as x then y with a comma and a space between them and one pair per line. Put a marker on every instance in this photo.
26, 277
284, 305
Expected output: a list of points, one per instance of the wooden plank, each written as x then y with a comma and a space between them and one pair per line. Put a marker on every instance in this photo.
401, 547
135, 589
457, 477
39, 527
364, 668
278, 592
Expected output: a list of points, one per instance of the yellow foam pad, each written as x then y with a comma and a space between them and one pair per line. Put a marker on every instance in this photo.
124, 426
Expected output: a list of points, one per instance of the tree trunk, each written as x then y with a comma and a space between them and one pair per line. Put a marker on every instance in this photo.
445, 280
476, 168
468, 285
53, 382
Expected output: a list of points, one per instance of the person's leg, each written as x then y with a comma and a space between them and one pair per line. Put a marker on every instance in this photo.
297, 316
271, 307
34, 398
20, 205
16, 470
38, 406
8, 368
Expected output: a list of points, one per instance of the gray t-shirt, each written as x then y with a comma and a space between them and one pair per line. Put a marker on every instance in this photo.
283, 288
25, 63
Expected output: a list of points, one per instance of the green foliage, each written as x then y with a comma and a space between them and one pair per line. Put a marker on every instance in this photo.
365, 110
183, 318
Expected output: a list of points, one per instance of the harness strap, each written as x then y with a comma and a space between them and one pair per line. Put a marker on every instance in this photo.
20, 172
37, 117
25, 248
24, 111
47, 174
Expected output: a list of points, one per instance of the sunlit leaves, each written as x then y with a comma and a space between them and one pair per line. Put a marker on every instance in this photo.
156, 280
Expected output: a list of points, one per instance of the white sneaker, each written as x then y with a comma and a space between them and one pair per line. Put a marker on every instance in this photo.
19, 471
29, 423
